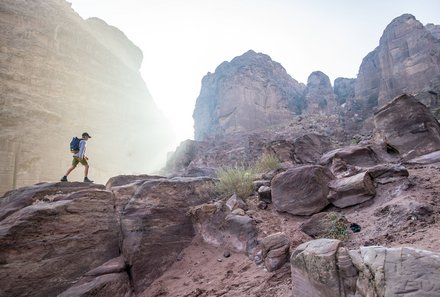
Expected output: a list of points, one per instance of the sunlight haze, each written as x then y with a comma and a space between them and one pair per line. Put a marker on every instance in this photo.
184, 40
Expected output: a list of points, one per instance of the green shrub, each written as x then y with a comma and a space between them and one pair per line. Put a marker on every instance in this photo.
237, 180
338, 227
267, 162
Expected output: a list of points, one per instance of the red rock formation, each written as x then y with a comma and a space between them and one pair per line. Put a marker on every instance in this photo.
250, 92
61, 76
406, 61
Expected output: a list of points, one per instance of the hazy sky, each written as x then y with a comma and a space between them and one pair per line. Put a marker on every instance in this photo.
183, 40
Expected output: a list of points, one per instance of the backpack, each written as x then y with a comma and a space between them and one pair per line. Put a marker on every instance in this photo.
74, 144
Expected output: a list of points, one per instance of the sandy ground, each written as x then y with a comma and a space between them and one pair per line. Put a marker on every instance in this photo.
405, 212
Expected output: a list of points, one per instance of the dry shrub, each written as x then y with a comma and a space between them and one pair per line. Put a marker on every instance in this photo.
235, 180
267, 162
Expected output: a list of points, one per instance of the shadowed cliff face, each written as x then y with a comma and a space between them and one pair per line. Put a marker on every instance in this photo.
61, 76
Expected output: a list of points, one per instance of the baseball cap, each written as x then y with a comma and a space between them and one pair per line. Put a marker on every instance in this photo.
86, 134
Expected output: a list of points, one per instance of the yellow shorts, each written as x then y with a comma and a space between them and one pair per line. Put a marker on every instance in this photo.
77, 160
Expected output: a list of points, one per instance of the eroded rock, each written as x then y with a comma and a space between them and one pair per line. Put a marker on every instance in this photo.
302, 190
275, 250
412, 136
59, 231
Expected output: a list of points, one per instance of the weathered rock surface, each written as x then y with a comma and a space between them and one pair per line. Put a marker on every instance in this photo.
310, 147
302, 190
250, 92
236, 232
52, 234
110, 279
319, 95
406, 61
411, 136
265, 194
323, 224
352, 190
324, 268
235, 202
56, 66
397, 272
344, 89
155, 226
275, 250
314, 269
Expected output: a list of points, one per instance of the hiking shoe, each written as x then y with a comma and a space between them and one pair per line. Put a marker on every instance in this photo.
87, 180
64, 178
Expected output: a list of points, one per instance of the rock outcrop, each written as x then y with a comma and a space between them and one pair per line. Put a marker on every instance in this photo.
248, 93
302, 190
73, 239
407, 126
406, 61
52, 234
319, 95
61, 76
325, 268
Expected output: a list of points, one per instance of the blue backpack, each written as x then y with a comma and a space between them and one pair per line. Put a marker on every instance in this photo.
74, 144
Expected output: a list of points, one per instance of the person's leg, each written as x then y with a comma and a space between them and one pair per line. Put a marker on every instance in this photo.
75, 162
70, 170
86, 170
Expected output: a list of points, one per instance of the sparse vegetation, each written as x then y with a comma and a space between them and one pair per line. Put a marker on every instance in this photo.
338, 228
267, 162
235, 180
356, 140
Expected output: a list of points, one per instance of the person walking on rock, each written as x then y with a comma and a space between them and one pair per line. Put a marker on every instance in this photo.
78, 148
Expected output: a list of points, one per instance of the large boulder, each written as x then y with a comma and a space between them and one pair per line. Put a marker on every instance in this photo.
52, 234
324, 268
274, 250
411, 136
326, 225
302, 190
155, 226
351, 190
394, 272
315, 270
218, 227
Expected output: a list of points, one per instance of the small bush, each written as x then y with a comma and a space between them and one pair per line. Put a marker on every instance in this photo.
338, 229
267, 162
235, 180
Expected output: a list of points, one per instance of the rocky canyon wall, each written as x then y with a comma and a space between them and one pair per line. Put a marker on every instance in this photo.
248, 93
60, 76
252, 92
407, 60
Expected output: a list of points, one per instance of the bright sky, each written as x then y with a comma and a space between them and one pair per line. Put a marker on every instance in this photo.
183, 40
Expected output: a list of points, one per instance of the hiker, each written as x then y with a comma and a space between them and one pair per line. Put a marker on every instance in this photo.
78, 148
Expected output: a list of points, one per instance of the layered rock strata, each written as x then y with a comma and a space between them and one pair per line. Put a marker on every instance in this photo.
406, 61
250, 92
61, 76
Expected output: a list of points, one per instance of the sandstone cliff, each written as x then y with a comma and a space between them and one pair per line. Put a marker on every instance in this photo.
61, 76
252, 92
248, 93
407, 60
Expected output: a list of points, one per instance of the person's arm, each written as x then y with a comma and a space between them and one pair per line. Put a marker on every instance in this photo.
82, 149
